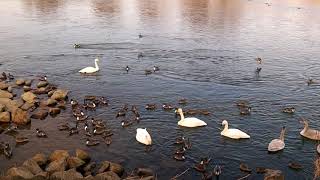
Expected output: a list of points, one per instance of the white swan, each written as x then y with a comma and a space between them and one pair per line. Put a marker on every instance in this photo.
143, 136
91, 69
190, 121
308, 132
233, 133
277, 144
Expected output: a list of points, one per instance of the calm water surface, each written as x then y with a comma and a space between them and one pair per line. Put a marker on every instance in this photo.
205, 50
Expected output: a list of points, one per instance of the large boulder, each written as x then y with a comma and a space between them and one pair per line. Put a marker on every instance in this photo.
116, 168
59, 94
9, 104
4, 117
40, 114
89, 167
71, 174
29, 97
19, 173
41, 90
20, 116
42, 84
81, 154
41, 176
40, 158
5, 94
74, 162
59, 154
32, 166
56, 166
3, 85
272, 174
20, 82
104, 167
51, 102
107, 176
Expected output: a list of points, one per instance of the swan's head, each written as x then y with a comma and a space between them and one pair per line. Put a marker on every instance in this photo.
179, 110
96, 60
303, 121
224, 122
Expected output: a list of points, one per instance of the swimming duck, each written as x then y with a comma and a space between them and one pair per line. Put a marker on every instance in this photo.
127, 68
11, 129
91, 69
92, 142
90, 106
7, 150
277, 144
295, 166
76, 46
10, 77
126, 123
259, 60
143, 136
140, 35
108, 140
261, 170
73, 103
180, 150
308, 132
103, 101
245, 168
140, 55
204, 112
73, 131
179, 157
40, 133
63, 127
180, 140
3, 77
167, 107
310, 81
21, 139
107, 133
43, 78
190, 121
151, 106
156, 68
245, 110
81, 118
190, 112
121, 113
187, 144
217, 170
77, 113
258, 70
98, 131
233, 133
289, 110
201, 167
242, 103
147, 72
182, 101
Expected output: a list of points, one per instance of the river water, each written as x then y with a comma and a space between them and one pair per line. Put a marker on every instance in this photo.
206, 52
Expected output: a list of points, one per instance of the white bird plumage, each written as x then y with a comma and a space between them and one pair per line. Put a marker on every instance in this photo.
88, 70
190, 121
277, 144
233, 133
143, 136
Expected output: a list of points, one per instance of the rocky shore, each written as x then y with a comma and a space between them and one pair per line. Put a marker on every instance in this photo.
61, 165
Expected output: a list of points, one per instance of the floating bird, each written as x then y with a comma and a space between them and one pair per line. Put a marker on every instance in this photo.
245, 110
201, 167
310, 81
7, 150
277, 144
108, 140
217, 170
143, 136
242, 104
180, 150
308, 132
180, 140
295, 166
289, 110
245, 168
126, 123
88, 70
140, 35
233, 133
140, 55
156, 68
147, 72
43, 78
190, 121
259, 60
40, 133
90, 106
167, 107
258, 70
92, 142
127, 68
151, 106
179, 157
76, 46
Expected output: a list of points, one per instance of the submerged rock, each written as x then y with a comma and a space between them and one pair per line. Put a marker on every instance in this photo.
32, 166
71, 174
42, 84
40, 158
20, 172
41, 90
20, 116
59, 94
5, 94
40, 114
26, 106
59, 154
28, 82
26, 88
5, 117
3, 86
20, 82
51, 102
29, 97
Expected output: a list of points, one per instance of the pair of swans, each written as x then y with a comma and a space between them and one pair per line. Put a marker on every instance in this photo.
195, 122
89, 70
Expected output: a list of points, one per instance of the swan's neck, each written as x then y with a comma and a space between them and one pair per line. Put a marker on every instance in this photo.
96, 64
181, 115
306, 127
282, 135
226, 127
